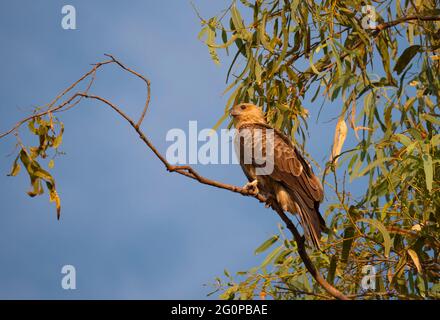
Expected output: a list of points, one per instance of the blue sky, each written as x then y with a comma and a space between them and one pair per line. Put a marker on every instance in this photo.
131, 229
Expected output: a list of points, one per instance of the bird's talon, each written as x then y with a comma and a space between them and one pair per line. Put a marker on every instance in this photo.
252, 187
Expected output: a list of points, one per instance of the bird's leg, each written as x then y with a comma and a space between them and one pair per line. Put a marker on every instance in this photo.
252, 186
270, 201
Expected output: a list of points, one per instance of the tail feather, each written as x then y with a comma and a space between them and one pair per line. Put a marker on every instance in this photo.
312, 222
310, 218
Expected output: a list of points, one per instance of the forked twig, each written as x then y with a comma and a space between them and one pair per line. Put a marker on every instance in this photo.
184, 170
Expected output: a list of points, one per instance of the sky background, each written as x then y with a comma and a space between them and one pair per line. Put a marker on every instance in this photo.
132, 230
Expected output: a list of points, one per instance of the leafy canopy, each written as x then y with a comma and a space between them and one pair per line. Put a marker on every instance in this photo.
381, 60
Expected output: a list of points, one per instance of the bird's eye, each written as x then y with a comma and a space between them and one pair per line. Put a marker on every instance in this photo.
243, 107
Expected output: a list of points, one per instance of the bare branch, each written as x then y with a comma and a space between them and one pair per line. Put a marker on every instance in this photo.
187, 171
147, 102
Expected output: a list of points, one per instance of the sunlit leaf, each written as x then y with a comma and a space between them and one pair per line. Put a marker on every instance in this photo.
266, 244
415, 259
385, 234
429, 170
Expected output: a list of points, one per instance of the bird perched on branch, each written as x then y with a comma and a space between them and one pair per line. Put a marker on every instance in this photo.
284, 176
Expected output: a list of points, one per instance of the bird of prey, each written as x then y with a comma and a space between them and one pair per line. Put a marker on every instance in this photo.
290, 182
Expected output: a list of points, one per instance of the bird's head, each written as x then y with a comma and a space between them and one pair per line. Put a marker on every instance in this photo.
247, 113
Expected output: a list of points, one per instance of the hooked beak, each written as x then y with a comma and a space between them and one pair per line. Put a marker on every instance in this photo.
234, 113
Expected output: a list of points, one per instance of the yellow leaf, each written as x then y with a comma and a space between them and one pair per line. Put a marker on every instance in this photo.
416, 260
15, 169
339, 138
417, 228
54, 197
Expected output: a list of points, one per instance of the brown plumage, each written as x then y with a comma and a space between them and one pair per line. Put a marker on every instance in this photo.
291, 182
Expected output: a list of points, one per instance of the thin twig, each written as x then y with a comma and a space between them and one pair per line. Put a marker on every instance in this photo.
184, 170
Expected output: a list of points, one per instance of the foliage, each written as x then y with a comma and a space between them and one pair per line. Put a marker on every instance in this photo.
386, 75
50, 134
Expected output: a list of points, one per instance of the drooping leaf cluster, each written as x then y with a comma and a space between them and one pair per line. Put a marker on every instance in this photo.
49, 132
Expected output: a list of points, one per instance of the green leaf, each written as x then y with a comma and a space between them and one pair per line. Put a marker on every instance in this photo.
373, 164
306, 281
267, 244
406, 57
431, 118
202, 32
382, 47
332, 269
43, 174
312, 65
385, 234
271, 256
229, 103
435, 290
347, 243
405, 140
247, 3
36, 174
237, 20
229, 294
57, 141
428, 167
336, 56
210, 41
282, 256
420, 283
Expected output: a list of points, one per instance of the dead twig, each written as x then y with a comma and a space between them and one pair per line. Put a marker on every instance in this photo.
184, 170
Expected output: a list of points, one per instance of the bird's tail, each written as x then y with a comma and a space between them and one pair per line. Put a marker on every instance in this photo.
311, 221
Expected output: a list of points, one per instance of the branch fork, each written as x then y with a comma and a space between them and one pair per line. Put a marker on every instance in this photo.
184, 170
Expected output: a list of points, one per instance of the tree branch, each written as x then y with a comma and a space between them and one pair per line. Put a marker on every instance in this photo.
389, 24
184, 170
305, 257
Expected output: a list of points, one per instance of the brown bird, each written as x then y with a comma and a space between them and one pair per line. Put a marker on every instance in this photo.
289, 178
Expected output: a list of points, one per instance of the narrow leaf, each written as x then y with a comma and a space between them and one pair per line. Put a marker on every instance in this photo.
429, 174
415, 259
385, 234
405, 58
266, 244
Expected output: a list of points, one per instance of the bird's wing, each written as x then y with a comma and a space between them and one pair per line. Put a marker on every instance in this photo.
303, 186
295, 174
290, 168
